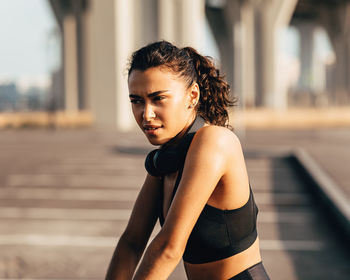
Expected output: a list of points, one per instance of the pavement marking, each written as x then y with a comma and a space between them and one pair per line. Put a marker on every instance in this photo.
281, 198
291, 245
303, 217
69, 194
91, 241
104, 160
65, 214
75, 180
124, 214
115, 167
124, 195
58, 240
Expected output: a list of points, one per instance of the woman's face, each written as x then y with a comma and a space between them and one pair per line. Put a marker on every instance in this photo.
161, 103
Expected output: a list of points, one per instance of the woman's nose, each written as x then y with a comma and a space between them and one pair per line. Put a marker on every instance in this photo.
148, 112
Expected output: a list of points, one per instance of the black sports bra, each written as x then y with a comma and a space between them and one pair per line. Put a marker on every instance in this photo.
218, 234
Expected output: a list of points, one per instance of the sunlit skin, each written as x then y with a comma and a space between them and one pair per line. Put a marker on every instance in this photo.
161, 100
214, 173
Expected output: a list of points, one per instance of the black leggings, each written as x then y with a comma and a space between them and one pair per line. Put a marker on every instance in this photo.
255, 272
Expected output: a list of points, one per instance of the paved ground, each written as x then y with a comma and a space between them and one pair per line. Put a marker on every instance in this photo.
329, 147
66, 196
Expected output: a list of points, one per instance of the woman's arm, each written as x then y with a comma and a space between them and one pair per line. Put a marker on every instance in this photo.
135, 237
206, 162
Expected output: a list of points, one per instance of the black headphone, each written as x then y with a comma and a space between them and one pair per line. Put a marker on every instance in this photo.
168, 159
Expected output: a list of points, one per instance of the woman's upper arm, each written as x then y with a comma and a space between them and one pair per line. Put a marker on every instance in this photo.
206, 162
144, 214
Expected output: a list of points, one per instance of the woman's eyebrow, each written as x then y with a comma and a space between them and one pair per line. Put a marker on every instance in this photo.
148, 95
134, 96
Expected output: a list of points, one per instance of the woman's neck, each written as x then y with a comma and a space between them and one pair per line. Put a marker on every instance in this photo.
177, 139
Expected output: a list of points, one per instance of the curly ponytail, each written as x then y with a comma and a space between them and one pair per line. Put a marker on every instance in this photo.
193, 67
214, 97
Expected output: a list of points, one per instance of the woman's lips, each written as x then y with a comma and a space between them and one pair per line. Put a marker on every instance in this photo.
151, 130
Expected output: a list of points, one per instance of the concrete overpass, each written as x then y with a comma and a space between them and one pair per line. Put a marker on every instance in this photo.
98, 37
334, 17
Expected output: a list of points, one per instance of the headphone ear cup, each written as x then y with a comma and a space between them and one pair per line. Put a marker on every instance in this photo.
149, 164
167, 161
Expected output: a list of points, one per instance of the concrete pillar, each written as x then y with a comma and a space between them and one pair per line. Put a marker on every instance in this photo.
342, 73
70, 63
336, 22
94, 62
271, 16
306, 31
247, 55
167, 20
107, 61
222, 28
347, 40
191, 22
232, 24
235, 29
146, 22
78, 9
101, 77
240, 19
86, 58
124, 30
341, 44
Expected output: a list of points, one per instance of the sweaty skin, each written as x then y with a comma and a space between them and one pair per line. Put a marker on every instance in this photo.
214, 173
161, 100
230, 192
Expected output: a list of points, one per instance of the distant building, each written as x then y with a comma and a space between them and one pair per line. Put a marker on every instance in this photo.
8, 97
33, 99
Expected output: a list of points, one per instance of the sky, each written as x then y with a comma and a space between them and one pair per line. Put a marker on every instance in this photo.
27, 41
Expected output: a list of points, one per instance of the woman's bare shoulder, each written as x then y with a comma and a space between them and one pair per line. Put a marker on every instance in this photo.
219, 138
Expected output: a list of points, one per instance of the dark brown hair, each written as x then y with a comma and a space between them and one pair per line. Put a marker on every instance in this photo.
193, 67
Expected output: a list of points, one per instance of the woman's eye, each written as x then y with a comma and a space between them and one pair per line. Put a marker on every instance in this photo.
135, 101
158, 98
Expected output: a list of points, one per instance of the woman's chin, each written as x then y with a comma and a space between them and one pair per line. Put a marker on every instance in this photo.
156, 141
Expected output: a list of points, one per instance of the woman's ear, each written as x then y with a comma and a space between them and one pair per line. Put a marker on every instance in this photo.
194, 94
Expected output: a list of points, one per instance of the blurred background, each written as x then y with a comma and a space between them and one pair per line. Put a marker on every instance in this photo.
71, 155
68, 58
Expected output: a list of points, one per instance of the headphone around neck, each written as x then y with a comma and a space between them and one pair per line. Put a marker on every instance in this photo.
166, 160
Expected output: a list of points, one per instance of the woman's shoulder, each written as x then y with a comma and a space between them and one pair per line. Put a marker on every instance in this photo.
215, 147
217, 135
216, 140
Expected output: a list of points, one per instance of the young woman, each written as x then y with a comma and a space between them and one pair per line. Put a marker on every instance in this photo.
197, 183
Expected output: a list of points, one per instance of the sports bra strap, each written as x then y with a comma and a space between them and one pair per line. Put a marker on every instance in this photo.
178, 179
